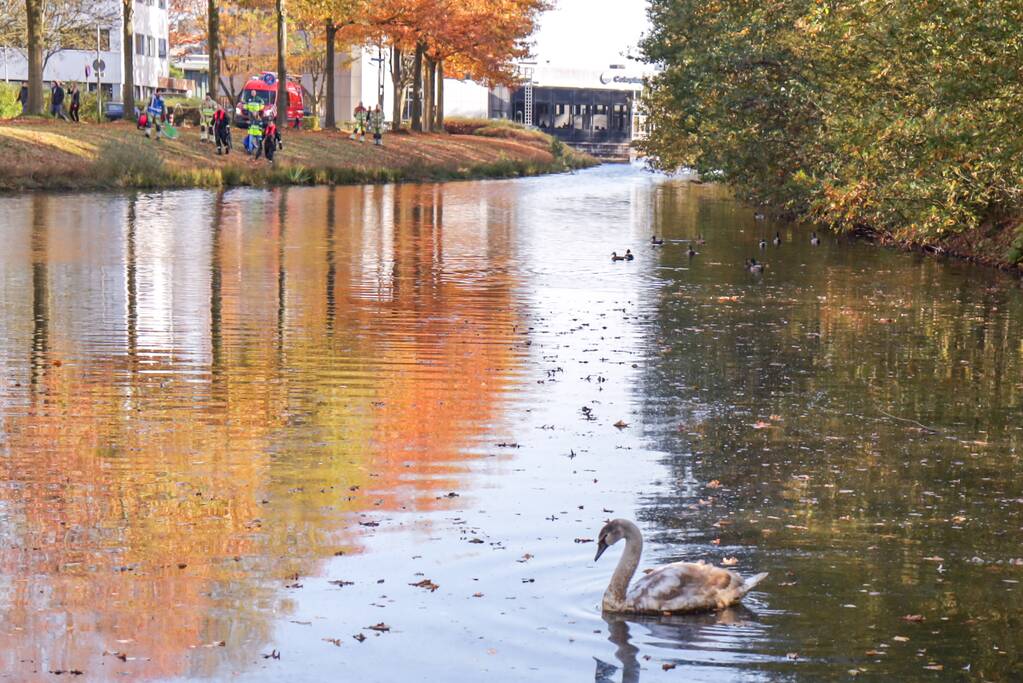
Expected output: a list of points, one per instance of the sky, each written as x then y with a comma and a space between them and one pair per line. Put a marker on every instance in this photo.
589, 33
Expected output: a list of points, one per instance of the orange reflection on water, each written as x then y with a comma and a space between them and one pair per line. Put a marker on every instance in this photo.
202, 393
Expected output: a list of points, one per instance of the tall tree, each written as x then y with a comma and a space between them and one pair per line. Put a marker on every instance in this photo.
282, 63
34, 30
330, 117
213, 44
128, 48
417, 87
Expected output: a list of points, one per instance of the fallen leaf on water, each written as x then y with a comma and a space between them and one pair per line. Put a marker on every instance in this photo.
427, 584
525, 558
935, 667
336, 642
730, 561
914, 617
584, 540
901, 639
667, 666
341, 582
477, 595
934, 558
359, 637
714, 484
476, 540
621, 424
382, 627
760, 424
872, 653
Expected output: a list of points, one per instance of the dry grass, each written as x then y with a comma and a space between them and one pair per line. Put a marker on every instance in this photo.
49, 154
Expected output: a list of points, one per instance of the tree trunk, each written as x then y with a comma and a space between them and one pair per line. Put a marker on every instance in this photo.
330, 120
128, 49
34, 20
428, 93
396, 87
439, 109
213, 45
417, 89
282, 65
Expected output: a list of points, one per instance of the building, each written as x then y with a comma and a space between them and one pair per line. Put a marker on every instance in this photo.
150, 47
195, 68
592, 109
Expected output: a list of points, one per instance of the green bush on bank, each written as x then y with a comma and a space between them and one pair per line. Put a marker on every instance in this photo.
9, 105
130, 163
871, 113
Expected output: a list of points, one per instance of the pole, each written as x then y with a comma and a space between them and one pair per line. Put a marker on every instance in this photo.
6, 74
99, 86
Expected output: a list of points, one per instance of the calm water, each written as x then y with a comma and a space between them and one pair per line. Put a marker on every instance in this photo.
218, 410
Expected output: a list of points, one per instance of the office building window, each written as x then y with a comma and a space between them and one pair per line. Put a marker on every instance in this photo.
140, 44
163, 49
150, 46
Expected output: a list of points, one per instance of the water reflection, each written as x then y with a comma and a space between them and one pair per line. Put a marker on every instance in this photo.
216, 387
214, 404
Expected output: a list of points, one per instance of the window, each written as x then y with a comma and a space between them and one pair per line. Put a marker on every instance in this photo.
163, 49
562, 115
140, 44
104, 40
163, 4
599, 117
150, 46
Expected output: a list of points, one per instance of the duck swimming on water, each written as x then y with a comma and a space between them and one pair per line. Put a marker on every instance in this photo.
656, 242
616, 257
692, 252
675, 588
628, 255
814, 240
754, 267
777, 239
763, 243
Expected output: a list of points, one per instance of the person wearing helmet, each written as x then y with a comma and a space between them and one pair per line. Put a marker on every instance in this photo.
360, 123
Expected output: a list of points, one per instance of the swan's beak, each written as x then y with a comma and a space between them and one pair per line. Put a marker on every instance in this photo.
601, 547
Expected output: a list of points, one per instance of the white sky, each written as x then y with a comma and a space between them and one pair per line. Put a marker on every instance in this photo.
589, 33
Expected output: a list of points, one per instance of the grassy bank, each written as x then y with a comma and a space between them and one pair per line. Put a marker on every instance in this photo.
45, 154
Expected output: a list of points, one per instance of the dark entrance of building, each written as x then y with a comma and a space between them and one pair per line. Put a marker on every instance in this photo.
596, 120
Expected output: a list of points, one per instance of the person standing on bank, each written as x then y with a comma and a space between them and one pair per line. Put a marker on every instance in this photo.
360, 123
271, 139
376, 125
76, 102
154, 114
222, 130
57, 101
207, 110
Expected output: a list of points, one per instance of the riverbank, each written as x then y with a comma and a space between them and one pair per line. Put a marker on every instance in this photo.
48, 155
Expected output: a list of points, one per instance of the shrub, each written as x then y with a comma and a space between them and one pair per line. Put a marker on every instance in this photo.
131, 164
9, 105
311, 123
557, 148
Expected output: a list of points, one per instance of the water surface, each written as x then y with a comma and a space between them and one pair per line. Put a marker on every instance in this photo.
217, 410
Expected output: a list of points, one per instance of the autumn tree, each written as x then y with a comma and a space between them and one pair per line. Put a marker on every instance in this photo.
128, 52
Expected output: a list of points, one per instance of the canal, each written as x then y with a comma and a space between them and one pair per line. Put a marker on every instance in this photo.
371, 433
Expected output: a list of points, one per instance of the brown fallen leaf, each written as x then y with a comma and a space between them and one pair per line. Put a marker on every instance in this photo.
477, 595
760, 424
935, 667
714, 484
336, 642
901, 639
914, 618
621, 424
427, 584
359, 637
730, 561
381, 627
668, 666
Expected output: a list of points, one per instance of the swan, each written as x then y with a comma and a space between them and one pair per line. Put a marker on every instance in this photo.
676, 587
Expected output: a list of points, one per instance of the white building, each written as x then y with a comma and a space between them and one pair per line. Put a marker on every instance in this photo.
150, 48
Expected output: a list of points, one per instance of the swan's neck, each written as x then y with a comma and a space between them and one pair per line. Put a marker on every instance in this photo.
614, 597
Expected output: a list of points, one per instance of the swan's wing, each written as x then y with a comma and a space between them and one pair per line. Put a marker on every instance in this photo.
685, 587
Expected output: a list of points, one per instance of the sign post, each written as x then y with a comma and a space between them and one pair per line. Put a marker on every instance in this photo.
98, 65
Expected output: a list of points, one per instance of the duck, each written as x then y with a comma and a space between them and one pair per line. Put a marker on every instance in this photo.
629, 255
754, 267
616, 257
814, 240
763, 243
676, 588
692, 252
777, 239
759, 216
656, 242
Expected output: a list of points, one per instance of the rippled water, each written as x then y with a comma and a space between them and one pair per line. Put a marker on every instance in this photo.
218, 409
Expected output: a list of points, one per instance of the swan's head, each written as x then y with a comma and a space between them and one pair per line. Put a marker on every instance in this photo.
612, 532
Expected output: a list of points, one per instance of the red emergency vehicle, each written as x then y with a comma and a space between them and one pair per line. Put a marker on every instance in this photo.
262, 90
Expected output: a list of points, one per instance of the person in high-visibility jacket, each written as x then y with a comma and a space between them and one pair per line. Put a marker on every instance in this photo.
206, 111
154, 114
271, 139
376, 125
254, 140
360, 114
